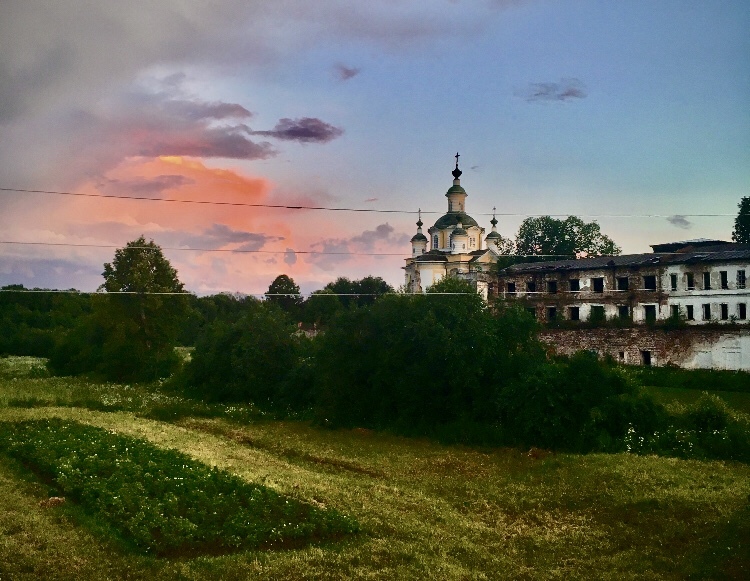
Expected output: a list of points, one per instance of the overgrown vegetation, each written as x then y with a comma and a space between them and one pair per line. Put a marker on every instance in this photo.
161, 500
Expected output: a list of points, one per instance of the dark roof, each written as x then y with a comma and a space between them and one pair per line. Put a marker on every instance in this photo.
687, 245
493, 235
459, 232
455, 190
418, 236
721, 253
432, 256
453, 218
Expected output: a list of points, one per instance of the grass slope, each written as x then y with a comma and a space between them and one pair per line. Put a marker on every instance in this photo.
426, 511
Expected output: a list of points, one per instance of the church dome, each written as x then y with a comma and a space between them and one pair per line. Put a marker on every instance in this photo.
493, 235
453, 218
459, 232
419, 237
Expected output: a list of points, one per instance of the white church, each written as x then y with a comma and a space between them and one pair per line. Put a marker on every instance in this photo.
456, 246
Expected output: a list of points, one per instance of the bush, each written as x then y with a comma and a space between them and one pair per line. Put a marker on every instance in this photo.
258, 358
414, 363
161, 500
565, 403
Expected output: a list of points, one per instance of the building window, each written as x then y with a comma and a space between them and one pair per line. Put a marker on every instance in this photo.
472, 242
646, 358
706, 312
531, 311
706, 281
435, 241
551, 313
597, 313
530, 287
511, 288
649, 312
575, 285
622, 283
740, 279
623, 311
723, 278
724, 311
597, 284
552, 287
649, 282
689, 281
621, 356
742, 311
689, 315
674, 311
575, 313
673, 281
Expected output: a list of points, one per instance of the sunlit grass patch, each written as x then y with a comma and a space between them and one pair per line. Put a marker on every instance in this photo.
161, 500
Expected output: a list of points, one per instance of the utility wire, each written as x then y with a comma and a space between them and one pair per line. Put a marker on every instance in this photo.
240, 251
335, 209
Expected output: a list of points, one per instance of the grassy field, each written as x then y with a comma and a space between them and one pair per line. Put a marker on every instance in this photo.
427, 511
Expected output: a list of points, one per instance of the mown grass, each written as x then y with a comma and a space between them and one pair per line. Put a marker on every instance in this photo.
427, 511
675, 395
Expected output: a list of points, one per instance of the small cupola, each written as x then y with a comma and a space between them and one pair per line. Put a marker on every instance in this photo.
419, 240
456, 194
494, 237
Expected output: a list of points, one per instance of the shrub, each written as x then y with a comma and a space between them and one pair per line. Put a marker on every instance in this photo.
258, 358
416, 362
161, 500
563, 403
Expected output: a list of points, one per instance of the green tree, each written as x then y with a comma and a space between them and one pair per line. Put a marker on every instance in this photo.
416, 362
322, 307
364, 291
284, 292
132, 331
255, 358
741, 232
554, 239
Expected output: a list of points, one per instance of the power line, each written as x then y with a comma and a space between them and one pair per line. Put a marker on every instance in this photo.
213, 202
241, 251
336, 209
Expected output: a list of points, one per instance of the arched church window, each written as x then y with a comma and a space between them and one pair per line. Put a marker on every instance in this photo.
435, 242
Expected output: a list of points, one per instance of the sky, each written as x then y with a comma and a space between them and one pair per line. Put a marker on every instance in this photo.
634, 114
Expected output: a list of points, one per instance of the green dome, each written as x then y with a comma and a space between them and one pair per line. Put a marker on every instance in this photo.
456, 190
459, 232
453, 218
493, 235
419, 237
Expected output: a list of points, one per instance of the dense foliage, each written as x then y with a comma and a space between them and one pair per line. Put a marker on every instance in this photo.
161, 500
128, 336
360, 292
30, 319
741, 232
256, 358
554, 239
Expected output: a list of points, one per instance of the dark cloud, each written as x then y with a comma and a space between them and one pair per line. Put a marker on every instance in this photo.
304, 130
147, 186
335, 250
565, 90
229, 142
52, 273
344, 73
197, 110
680, 222
219, 235
290, 256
